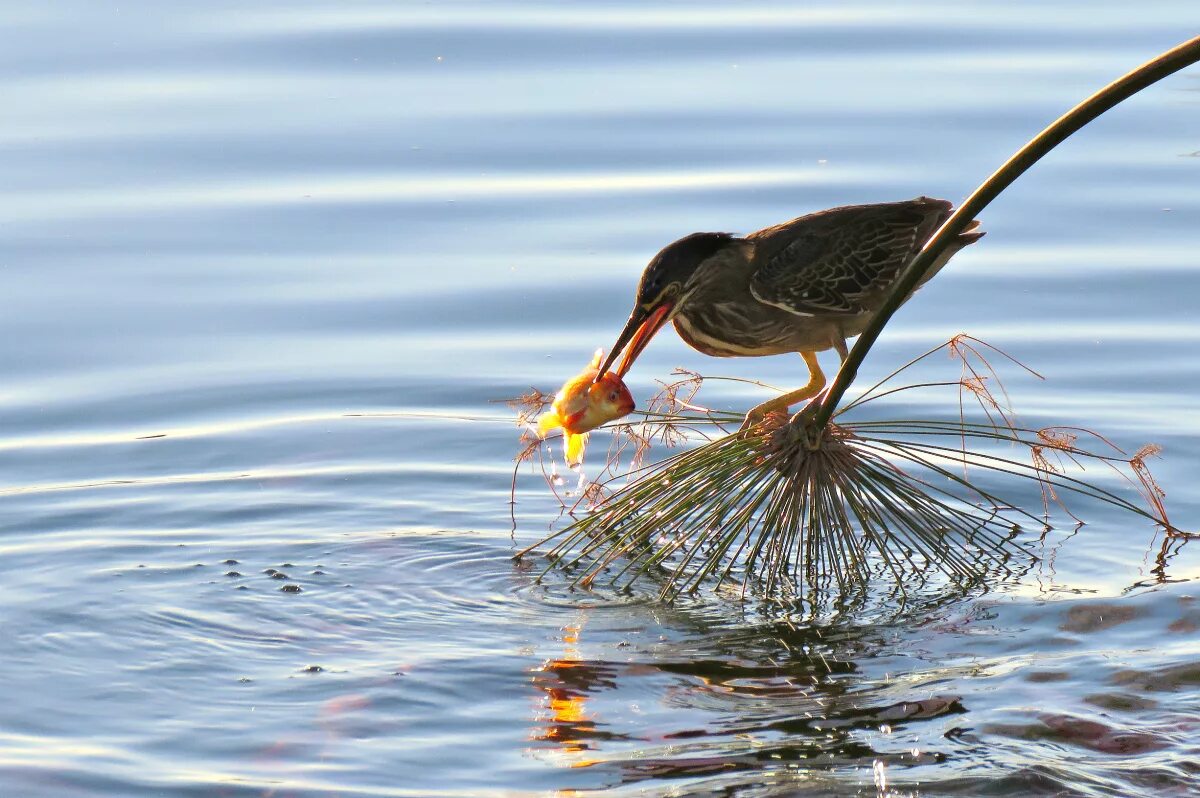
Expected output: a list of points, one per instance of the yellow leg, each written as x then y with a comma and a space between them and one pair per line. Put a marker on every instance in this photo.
780, 404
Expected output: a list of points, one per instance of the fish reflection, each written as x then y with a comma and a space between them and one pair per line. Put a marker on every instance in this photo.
565, 721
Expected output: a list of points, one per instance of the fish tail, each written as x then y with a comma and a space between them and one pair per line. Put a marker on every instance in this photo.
548, 421
575, 445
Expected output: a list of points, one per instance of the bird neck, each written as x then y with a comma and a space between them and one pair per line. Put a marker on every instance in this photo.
718, 273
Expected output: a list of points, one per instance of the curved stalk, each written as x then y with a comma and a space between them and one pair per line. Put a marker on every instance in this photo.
817, 416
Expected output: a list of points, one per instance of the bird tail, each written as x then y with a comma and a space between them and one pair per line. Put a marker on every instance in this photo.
965, 239
970, 234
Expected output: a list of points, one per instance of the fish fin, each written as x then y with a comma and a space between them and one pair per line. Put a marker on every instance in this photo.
597, 359
575, 445
546, 422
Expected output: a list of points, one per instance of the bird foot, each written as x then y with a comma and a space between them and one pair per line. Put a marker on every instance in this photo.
750, 420
807, 412
801, 424
758, 413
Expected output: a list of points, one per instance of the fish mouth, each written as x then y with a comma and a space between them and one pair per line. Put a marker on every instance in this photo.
640, 328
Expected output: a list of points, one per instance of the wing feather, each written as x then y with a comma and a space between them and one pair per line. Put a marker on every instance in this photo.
829, 263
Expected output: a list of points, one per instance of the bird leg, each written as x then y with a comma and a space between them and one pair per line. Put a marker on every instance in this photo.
816, 381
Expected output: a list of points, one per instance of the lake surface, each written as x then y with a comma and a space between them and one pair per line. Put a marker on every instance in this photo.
266, 267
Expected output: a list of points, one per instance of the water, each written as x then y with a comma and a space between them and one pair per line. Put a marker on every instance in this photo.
266, 266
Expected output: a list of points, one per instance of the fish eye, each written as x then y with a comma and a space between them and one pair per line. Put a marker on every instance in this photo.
612, 397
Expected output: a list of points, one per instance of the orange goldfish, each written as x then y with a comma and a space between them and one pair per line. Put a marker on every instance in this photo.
581, 405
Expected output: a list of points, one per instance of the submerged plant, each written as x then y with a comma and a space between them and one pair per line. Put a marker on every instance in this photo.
826, 501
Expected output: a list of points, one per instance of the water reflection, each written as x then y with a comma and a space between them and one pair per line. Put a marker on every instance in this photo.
767, 700
722, 699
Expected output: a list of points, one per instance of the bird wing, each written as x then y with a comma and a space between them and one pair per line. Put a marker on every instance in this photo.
834, 262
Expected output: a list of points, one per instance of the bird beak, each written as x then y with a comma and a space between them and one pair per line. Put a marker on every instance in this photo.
640, 328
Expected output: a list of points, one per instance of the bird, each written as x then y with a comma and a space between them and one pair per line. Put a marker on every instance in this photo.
803, 286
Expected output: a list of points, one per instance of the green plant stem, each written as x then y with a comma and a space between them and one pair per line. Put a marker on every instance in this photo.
1069, 123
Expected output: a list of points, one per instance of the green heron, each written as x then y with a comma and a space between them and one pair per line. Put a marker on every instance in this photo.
802, 286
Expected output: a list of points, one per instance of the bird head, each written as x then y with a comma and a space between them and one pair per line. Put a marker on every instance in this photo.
669, 279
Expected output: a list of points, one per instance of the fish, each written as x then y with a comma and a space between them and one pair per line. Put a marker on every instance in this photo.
582, 404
